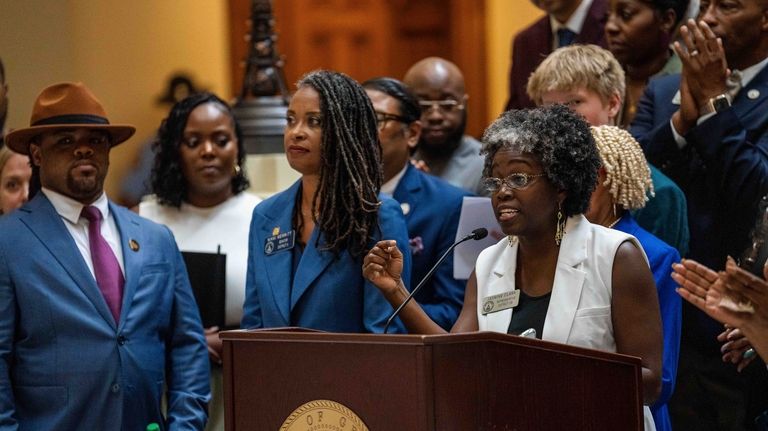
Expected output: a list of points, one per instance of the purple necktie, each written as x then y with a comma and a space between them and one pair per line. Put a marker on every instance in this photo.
109, 277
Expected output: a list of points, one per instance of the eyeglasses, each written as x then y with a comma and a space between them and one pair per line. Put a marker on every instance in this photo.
515, 181
444, 106
382, 118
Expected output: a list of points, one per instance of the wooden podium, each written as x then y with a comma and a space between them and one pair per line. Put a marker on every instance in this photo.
474, 381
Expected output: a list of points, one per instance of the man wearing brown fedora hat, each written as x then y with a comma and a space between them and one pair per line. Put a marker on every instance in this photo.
97, 317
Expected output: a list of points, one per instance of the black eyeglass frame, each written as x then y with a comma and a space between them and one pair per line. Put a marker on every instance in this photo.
382, 118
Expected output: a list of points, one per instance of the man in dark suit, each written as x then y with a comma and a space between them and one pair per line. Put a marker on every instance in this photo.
431, 206
566, 22
97, 319
707, 129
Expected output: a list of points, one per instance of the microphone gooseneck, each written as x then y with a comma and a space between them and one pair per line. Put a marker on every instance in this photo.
476, 235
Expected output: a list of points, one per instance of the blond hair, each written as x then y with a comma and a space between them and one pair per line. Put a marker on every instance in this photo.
578, 66
5, 155
628, 176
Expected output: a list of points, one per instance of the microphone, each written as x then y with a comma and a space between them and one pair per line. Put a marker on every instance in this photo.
476, 235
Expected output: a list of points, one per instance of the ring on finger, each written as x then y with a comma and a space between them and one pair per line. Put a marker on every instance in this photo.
694, 53
749, 353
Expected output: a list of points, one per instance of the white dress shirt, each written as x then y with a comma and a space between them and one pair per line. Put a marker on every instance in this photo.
390, 186
70, 209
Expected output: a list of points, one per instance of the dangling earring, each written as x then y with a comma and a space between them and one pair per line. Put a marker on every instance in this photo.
237, 169
560, 231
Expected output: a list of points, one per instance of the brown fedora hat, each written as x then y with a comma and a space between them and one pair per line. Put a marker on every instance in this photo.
68, 104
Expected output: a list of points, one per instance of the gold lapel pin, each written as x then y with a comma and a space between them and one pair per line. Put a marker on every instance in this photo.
276, 231
133, 244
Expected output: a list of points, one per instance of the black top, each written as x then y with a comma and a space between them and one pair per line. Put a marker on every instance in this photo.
530, 312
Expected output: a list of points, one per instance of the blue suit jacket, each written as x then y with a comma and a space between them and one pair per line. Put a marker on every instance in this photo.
723, 170
325, 293
661, 256
433, 210
65, 363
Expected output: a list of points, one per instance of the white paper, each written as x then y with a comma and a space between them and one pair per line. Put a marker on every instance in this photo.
476, 212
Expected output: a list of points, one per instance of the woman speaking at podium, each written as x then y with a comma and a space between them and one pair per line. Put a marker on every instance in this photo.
572, 281
307, 243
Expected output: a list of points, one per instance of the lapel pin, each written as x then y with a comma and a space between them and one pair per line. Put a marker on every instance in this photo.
753, 94
276, 231
405, 207
133, 244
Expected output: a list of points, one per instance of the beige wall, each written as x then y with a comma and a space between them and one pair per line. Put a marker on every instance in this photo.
504, 18
123, 50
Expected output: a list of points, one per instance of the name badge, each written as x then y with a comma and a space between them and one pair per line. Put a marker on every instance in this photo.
501, 301
280, 242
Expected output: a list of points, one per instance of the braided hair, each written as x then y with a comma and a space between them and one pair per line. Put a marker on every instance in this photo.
346, 201
627, 173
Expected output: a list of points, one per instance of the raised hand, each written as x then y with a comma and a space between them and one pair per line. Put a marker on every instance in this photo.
743, 296
383, 266
704, 65
695, 281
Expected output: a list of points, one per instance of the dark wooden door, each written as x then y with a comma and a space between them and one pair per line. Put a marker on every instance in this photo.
369, 38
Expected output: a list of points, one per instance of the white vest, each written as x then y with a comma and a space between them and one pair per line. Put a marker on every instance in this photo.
579, 312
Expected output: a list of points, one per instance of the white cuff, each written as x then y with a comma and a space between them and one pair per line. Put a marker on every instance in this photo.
705, 117
681, 142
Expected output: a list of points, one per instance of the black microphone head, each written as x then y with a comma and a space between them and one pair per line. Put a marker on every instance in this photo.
479, 233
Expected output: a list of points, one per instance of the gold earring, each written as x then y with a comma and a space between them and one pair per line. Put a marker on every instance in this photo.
560, 231
237, 169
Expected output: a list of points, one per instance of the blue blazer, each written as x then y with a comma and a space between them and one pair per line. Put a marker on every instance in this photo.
432, 208
661, 256
324, 293
65, 363
723, 170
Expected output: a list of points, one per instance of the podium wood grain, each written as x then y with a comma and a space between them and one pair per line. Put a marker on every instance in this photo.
474, 381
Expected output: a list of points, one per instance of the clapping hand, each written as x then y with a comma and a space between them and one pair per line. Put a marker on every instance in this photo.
735, 347
695, 281
713, 293
734, 297
704, 72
